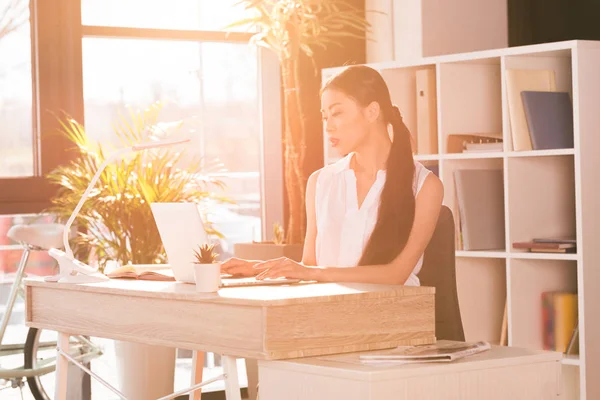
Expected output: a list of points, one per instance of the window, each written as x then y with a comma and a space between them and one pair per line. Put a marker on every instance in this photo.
16, 134
212, 87
177, 54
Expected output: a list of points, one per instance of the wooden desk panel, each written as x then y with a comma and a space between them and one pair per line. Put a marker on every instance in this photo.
500, 373
264, 322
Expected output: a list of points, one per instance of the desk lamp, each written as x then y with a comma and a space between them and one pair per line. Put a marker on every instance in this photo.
72, 270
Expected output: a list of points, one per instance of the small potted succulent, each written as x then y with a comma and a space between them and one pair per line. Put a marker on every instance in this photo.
207, 270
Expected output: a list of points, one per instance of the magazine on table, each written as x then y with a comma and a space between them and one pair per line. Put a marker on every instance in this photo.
437, 352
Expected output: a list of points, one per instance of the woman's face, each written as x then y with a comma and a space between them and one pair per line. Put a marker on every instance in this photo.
346, 122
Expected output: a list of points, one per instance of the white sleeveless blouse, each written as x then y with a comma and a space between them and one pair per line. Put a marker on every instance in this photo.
342, 228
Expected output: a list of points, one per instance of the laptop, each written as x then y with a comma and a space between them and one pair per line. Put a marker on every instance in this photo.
181, 231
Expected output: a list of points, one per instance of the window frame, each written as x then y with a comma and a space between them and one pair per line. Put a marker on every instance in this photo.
56, 86
57, 75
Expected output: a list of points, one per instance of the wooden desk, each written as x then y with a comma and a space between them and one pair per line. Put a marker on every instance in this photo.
262, 322
498, 374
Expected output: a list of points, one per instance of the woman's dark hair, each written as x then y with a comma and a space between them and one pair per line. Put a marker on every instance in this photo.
397, 204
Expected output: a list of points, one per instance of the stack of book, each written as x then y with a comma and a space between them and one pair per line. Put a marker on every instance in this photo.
474, 142
548, 245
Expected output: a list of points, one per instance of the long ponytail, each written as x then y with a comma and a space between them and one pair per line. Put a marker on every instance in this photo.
397, 202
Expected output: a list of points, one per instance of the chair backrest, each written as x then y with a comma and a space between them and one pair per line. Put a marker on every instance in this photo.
439, 271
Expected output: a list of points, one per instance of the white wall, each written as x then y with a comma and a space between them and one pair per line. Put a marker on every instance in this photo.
462, 26
405, 30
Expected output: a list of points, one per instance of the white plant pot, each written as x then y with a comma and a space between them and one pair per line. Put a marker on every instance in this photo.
144, 371
207, 277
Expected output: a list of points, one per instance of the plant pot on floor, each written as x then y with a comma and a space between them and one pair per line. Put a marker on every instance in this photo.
267, 251
144, 371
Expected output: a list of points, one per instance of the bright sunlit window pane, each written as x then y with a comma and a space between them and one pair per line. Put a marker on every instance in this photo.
162, 14
16, 138
212, 87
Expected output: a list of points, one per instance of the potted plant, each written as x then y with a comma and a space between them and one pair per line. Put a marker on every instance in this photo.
116, 222
291, 28
207, 270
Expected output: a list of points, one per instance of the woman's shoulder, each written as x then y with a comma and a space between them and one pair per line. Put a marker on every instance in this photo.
421, 174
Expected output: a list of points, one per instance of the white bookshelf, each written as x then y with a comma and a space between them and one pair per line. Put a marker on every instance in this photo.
546, 193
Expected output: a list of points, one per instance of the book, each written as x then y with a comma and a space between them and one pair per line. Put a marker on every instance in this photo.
442, 351
546, 246
488, 146
130, 272
518, 80
480, 197
565, 239
457, 142
549, 119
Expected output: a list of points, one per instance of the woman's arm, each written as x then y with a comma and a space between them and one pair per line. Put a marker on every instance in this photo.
309, 256
427, 208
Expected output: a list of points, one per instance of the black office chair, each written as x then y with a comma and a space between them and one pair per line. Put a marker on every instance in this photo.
439, 271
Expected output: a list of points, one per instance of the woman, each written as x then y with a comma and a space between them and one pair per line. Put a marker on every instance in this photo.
376, 209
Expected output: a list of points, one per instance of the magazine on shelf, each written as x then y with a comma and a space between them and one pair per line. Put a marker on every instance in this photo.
438, 352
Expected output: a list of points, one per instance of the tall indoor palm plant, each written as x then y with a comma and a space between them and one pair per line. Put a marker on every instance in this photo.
116, 220
289, 28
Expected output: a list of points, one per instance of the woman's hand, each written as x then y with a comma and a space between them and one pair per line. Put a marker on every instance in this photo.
284, 267
238, 267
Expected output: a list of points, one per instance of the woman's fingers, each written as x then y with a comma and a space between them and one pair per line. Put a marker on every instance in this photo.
237, 267
232, 262
235, 271
274, 272
270, 263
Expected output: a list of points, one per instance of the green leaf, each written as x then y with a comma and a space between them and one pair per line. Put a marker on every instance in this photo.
114, 221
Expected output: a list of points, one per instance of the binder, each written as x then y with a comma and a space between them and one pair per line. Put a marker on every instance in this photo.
518, 80
427, 142
480, 195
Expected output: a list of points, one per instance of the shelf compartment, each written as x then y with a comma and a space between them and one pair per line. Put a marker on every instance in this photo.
528, 280
559, 63
494, 225
541, 199
481, 286
470, 99
413, 90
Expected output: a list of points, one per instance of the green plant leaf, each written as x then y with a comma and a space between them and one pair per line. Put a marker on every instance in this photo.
116, 221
